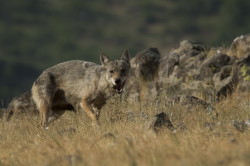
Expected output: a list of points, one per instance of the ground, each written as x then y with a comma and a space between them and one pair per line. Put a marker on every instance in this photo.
125, 138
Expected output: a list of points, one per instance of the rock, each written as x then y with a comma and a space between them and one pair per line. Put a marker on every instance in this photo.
167, 64
143, 81
240, 46
181, 127
188, 100
204, 88
191, 69
243, 67
191, 54
247, 122
240, 126
225, 81
214, 64
233, 140
161, 122
210, 125
67, 131
145, 64
109, 135
189, 48
245, 60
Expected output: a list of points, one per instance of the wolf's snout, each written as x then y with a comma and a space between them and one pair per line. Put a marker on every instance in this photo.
118, 81
118, 85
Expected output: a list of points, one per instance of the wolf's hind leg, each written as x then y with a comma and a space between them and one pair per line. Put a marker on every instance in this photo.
44, 109
43, 91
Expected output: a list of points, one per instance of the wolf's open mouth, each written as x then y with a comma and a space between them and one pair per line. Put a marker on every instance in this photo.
118, 88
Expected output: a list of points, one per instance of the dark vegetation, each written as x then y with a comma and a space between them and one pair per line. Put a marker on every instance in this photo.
35, 34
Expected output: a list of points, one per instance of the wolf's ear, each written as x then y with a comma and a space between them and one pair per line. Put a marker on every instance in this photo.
125, 56
104, 59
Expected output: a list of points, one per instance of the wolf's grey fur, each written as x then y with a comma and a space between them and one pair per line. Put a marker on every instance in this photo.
80, 83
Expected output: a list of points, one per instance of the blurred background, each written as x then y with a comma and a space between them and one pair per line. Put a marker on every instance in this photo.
36, 34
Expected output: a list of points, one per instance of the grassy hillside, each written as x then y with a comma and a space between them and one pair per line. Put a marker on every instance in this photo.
124, 137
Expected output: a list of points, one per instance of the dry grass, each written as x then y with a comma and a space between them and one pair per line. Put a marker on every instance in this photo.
124, 137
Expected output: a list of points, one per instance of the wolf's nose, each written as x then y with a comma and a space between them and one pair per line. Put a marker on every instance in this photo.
118, 81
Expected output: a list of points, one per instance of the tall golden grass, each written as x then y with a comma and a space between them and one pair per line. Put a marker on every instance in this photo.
124, 137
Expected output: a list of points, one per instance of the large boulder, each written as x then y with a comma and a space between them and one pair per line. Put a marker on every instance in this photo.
143, 81
240, 46
192, 69
190, 102
161, 122
243, 71
181, 64
167, 64
191, 54
214, 64
145, 64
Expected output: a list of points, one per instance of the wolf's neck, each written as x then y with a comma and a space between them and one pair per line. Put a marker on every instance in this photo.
103, 85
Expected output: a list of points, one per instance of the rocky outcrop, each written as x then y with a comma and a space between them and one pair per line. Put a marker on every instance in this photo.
194, 69
240, 46
215, 75
143, 80
243, 73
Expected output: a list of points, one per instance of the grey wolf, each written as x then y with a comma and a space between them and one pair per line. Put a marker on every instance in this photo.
80, 83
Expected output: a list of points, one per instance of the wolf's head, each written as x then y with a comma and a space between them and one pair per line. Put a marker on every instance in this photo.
117, 70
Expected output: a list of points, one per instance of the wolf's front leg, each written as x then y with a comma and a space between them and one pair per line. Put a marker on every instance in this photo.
92, 113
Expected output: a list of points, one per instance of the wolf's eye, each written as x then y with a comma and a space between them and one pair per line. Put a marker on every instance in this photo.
111, 71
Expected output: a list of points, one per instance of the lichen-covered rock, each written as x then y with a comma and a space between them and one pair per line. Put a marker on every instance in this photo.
189, 48
193, 69
214, 64
145, 64
143, 80
243, 67
167, 64
191, 54
160, 122
190, 101
240, 46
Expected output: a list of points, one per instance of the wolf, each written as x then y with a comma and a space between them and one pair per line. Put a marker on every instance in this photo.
82, 83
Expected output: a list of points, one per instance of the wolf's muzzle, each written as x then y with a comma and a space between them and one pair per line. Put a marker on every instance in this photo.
119, 86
